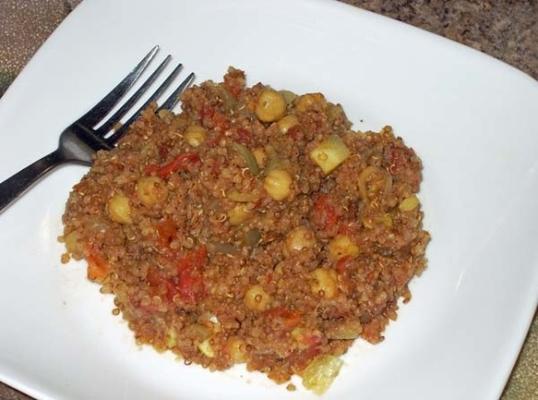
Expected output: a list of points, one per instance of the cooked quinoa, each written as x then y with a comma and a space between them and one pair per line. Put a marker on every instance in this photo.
254, 227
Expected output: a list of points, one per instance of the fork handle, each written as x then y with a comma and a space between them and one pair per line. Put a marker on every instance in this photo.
12, 188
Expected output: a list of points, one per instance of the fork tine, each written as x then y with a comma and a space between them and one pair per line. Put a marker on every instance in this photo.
173, 99
121, 130
114, 119
102, 108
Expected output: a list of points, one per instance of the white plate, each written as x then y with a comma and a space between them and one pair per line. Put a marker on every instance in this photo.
472, 119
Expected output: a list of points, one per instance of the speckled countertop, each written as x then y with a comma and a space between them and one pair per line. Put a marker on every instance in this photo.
504, 29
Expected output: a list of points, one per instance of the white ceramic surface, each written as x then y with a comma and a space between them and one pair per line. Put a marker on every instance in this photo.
472, 119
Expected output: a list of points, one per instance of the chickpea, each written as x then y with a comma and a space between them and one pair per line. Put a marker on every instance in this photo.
298, 333
286, 123
308, 101
239, 214
206, 348
271, 106
119, 209
278, 184
73, 244
195, 135
342, 246
260, 156
256, 298
300, 238
288, 95
237, 350
151, 190
324, 283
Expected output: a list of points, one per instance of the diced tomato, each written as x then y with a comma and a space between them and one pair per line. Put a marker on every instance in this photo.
212, 142
191, 286
312, 340
211, 116
345, 229
207, 111
325, 214
301, 359
97, 266
179, 163
194, 259
151, 169
257, 203
216, 168
243, 136
221, 122
167, 230
397, 158
188, 283
163, 151
234, 81
290, 319
295, 132
153, 277
156, 279
341, 264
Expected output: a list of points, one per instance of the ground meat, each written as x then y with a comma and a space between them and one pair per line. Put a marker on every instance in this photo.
224, 239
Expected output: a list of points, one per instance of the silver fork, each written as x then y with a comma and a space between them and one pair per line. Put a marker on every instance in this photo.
80, 140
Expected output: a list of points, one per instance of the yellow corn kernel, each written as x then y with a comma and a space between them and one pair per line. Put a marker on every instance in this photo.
256, 298
151, 190
324, 283
260, 156
409, 203
119, 209
330, 153
320, 373
342, 246
286, 123
300, 238
195, 135
237, 350
310, 100
206, 348
239, 214
271, 106
278, 184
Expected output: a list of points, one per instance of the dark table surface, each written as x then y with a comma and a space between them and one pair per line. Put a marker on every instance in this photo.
507, 30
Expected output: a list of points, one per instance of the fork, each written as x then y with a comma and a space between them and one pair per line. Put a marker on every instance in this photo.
82, 139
